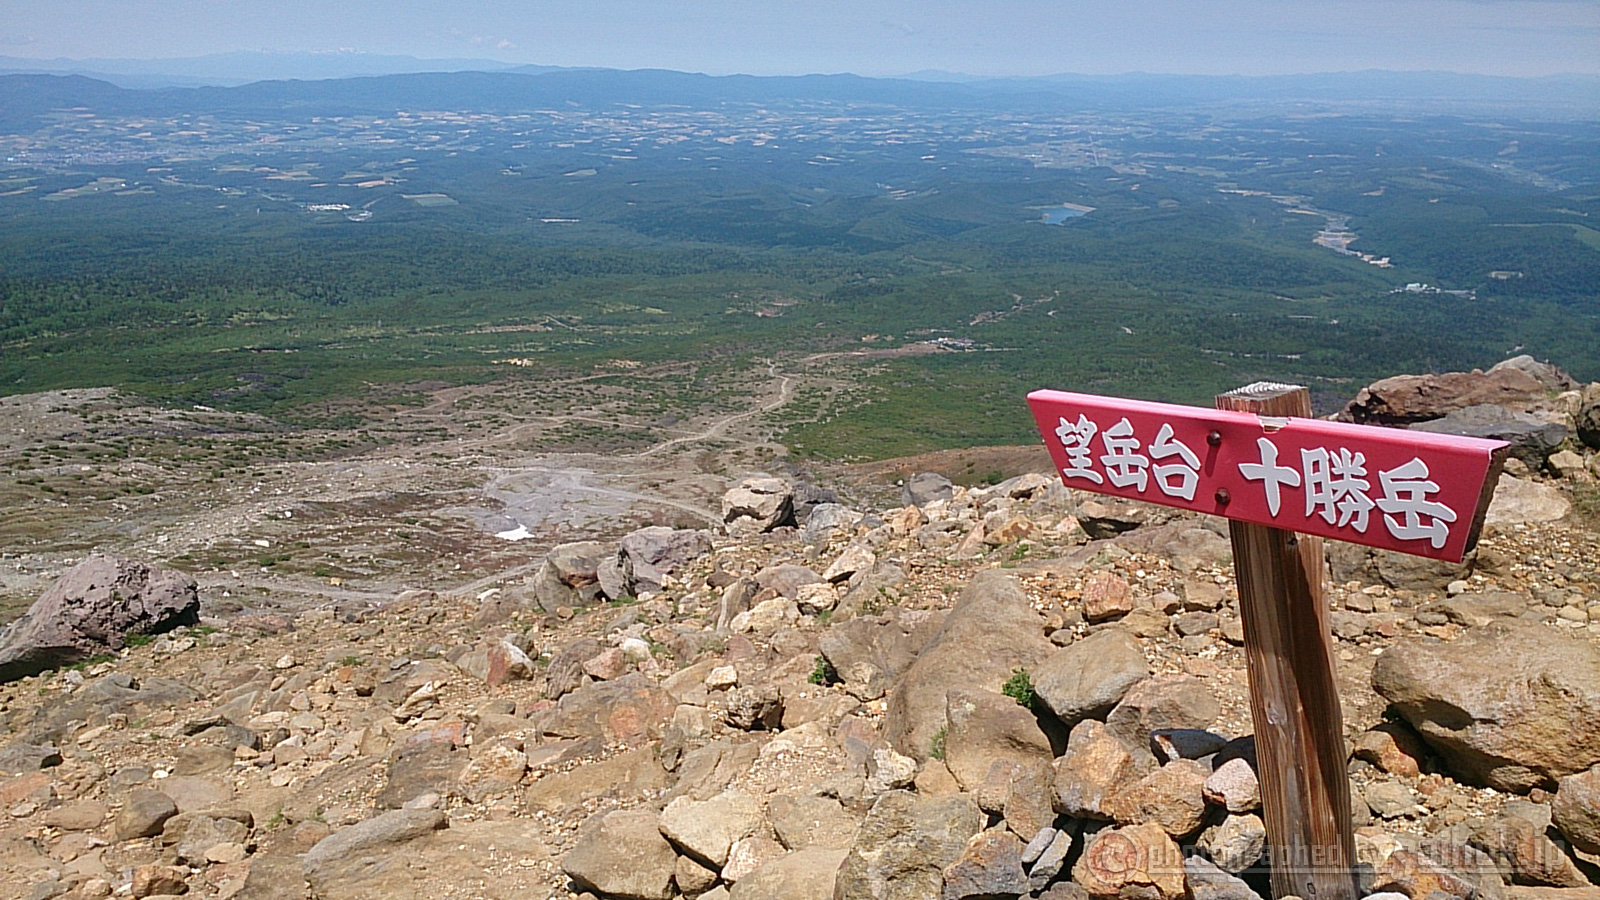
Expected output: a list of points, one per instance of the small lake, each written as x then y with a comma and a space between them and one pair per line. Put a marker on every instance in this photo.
1060, 215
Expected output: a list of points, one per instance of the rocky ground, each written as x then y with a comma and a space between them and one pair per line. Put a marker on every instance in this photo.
991, 692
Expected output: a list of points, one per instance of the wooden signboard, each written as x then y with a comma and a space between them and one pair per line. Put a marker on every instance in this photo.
1285, 481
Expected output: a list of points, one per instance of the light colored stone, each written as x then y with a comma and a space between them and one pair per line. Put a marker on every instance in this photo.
1510, 705
622, 854
707, 830
1234, 787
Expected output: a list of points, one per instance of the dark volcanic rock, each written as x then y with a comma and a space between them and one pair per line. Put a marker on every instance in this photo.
1532, 439
91, 609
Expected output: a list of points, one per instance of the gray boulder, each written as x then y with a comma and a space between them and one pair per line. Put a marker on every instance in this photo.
645, 556
1532, 439
1553, 378
758, 503
91, 609
1207, 882
904, 846
1587, 421
1086, 678
1511, 705
991, 632
806, 497
924, 488
569, 575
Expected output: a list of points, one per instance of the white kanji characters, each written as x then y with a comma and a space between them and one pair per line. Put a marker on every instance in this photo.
1075, 440
1271, 475
1409, 514
1186, 470
1336, 486
1124, 464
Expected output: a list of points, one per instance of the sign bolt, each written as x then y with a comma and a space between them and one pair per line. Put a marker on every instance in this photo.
1223, 497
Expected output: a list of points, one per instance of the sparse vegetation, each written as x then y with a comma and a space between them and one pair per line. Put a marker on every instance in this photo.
1019, 687
824, 673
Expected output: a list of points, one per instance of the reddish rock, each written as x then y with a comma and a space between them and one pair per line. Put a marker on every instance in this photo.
1392, 747
1106, 595
1139, 861
1404, 399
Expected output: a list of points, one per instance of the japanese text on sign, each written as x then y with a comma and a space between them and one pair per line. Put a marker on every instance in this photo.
1403, 490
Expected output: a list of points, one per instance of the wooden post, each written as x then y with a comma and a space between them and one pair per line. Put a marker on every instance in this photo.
1294, 699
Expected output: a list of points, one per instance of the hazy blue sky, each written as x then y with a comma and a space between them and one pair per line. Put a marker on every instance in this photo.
875, 37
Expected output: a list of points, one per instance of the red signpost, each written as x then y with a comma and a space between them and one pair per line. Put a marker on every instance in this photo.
1286, 481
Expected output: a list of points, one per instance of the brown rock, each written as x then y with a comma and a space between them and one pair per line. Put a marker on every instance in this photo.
1096, 764
804, 875
1417, 877
986, 728
1511, 705
1393, 748
1171, 797
143, 814
150, 880
904, 845
629, 710
90, 610
1087, 678
1521, 846
991, 866
622, 854
1160, 703
1404, 399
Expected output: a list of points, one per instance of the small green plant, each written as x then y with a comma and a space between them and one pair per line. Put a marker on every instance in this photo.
936, 746
1019, 687
824, 673
138, 640
351, 660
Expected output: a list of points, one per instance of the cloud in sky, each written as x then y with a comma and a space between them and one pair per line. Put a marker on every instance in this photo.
1515, 37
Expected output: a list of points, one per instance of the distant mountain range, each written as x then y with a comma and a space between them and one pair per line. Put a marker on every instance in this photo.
354, 83
243, 67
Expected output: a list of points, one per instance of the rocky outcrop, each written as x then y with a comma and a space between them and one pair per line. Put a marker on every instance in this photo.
1405, 399
1512, 706
92, 609
925, 488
